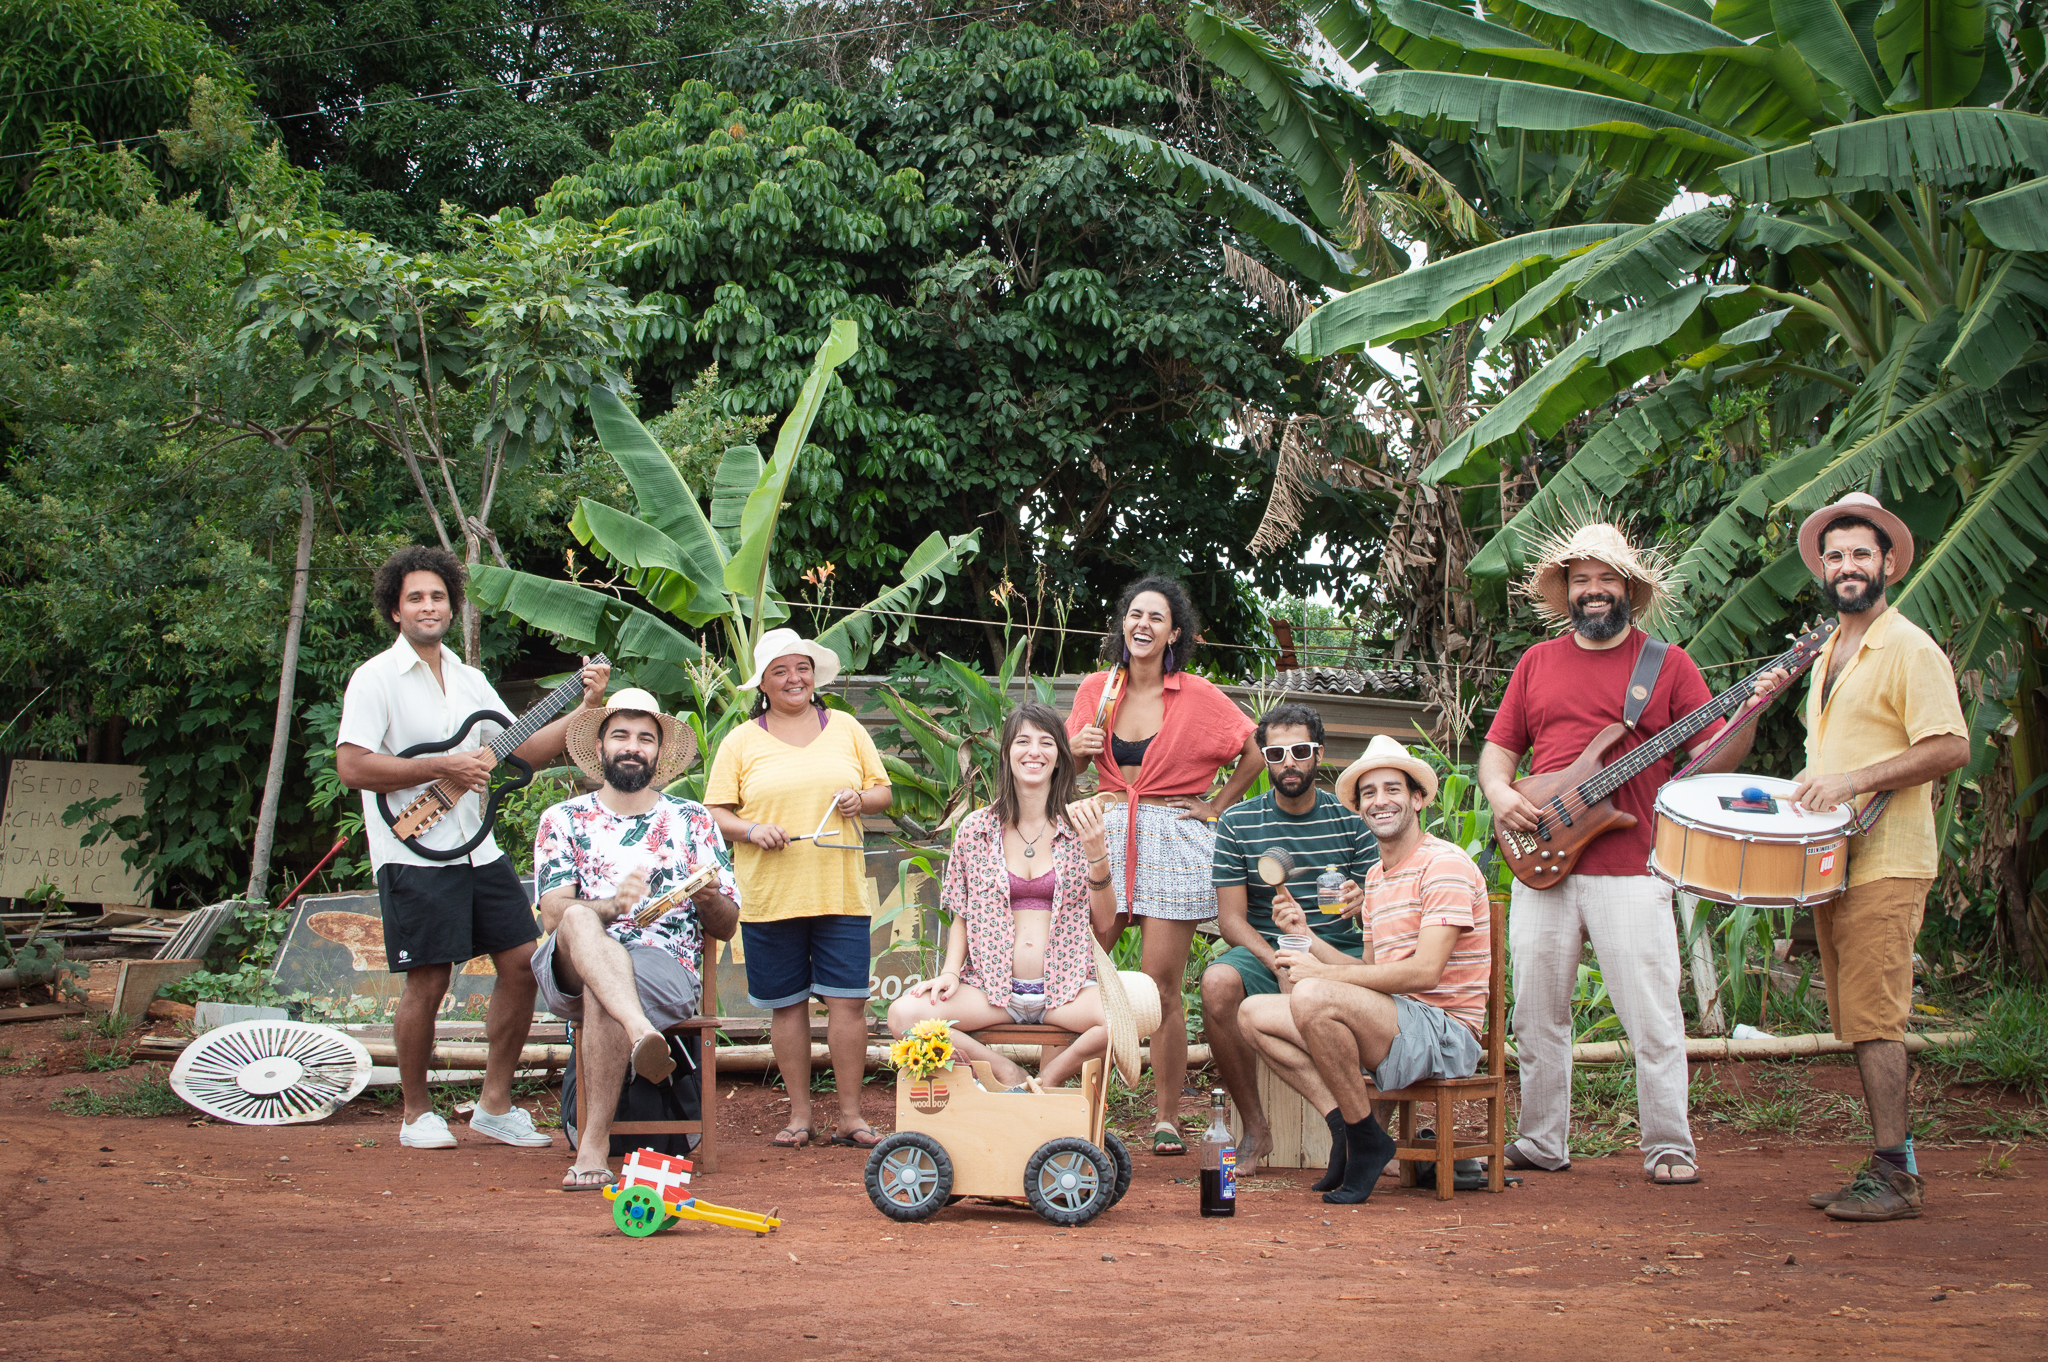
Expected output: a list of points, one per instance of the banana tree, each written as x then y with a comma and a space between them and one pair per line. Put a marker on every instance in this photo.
698, 569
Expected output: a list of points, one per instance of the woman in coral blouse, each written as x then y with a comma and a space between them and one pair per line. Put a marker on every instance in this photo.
1158, 745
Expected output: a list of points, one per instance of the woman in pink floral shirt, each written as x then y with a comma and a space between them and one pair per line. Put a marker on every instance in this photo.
1026, 887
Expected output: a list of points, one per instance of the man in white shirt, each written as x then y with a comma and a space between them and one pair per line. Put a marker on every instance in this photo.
438, 914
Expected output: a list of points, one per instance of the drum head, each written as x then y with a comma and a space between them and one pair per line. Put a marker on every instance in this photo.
1755, 806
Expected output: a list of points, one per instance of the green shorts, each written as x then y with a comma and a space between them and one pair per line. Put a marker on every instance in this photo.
1252, 971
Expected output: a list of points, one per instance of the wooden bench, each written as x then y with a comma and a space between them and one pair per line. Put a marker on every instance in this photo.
1050, 1040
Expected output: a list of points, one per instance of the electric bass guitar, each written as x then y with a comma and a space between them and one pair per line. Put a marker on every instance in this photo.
1575, 805
435, 802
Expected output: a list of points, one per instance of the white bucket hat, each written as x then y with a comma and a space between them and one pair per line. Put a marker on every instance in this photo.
586, 729
1381, 753
785, 642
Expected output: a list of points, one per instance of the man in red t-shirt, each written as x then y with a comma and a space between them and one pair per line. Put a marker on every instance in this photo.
1563, 692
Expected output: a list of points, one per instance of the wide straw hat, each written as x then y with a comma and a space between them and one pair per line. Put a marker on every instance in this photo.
586, 727
1603, 543
1863, 506
1130, 1005
1383, 752
783, 642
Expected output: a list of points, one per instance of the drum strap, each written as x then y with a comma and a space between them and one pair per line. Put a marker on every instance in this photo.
1643, 680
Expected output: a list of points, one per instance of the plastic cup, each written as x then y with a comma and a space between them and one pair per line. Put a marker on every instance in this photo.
1287, 942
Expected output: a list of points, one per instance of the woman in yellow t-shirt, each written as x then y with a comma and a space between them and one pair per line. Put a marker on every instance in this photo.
804, 909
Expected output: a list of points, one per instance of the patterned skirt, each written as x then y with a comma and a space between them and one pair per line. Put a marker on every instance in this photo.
1174, 856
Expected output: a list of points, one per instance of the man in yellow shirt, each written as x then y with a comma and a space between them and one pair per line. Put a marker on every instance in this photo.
1882, 720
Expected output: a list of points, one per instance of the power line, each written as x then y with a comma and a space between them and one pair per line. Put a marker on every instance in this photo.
360, 107
328, 51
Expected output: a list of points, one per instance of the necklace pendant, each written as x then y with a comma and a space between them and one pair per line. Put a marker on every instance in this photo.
1030, 851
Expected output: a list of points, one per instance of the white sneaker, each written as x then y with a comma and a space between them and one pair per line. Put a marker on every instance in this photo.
511, 1127
429, 1132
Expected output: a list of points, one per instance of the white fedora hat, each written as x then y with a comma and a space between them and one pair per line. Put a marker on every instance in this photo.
1381, 753
787, 642
586, 730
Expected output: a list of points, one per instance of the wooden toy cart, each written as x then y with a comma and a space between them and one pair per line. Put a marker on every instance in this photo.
653, 1192
958, 1134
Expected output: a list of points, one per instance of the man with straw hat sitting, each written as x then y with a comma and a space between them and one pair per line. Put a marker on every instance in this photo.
1412, 1014
597, 858
1603, 670
1882, 720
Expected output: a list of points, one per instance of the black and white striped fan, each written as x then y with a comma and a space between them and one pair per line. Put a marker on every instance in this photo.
271, 1073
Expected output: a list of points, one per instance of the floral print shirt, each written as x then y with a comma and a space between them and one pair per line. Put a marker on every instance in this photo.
977, 889
584, 845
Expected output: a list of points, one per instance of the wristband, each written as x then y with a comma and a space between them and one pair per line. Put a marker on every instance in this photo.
1102, 883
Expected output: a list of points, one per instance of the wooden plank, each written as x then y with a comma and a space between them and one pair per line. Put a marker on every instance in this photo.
40, 1012
140, 979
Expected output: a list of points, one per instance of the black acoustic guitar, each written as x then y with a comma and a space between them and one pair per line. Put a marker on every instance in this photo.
1575, 805
438, 799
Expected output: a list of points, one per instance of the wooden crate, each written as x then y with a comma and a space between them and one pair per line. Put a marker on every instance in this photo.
1301, 1138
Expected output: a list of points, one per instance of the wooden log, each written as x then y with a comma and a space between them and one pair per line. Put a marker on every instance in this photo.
1778, 1047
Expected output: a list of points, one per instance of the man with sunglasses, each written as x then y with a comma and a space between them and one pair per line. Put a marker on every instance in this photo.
1317, 832
1882, 722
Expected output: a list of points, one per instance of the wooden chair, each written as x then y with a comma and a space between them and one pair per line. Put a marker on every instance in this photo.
704, 1027
1489, 1086
1050, 1040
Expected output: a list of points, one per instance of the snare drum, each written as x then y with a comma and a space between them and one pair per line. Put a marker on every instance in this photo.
1736, 838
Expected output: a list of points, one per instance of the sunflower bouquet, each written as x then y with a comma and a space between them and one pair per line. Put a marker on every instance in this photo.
924, 1050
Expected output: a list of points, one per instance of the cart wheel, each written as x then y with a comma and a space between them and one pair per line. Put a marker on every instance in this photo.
1121, 1153
638, 1211
1069, 1181
909, 1176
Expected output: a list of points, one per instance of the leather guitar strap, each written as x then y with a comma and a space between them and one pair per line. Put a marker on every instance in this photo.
1643, 680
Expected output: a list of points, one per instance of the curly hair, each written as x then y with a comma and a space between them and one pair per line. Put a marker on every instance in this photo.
389, 585
1178, 605
1291, 716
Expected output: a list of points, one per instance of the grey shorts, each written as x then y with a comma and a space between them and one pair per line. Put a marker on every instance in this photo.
668, 992
1431, 1044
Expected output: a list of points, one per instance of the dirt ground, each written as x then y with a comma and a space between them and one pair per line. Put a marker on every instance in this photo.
191, 1239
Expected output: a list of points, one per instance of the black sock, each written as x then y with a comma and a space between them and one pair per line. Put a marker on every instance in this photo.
1367, 1152
1897, 1157
1334, 1178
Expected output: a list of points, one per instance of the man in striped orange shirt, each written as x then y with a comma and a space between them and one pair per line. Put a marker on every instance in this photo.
1412, 1014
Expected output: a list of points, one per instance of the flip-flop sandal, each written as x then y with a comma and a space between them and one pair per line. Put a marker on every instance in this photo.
862, 1138
652, 1059
792, 1137
1167, 1143
1662, 1175
587, 1180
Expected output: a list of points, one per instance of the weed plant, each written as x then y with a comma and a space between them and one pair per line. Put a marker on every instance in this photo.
143, 1094
2008, 1044
96, 1060
112, 1025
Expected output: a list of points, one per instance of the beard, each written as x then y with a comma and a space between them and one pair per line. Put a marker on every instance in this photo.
1866, 594
1600, 628
1294, 783
627, 774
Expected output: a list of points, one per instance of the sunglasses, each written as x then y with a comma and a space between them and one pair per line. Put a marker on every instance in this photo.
1300, 751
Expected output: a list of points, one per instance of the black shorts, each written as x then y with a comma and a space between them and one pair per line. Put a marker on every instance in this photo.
447, 914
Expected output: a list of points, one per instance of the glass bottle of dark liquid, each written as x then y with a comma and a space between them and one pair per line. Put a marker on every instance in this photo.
1219, 1161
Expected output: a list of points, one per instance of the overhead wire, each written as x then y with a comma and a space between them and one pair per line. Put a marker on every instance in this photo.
363, 107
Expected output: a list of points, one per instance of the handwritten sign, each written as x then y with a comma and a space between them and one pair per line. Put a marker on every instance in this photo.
39, 847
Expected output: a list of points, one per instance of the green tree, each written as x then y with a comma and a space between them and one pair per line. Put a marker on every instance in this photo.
361, 93
470, 360
1049, 349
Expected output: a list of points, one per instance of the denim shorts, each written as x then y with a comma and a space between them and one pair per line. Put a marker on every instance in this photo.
793, 958
1431, 1044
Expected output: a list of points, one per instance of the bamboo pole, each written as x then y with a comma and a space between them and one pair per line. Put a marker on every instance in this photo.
1778, 1047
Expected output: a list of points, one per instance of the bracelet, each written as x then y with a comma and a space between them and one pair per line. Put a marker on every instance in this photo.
1098, 860
1102, 883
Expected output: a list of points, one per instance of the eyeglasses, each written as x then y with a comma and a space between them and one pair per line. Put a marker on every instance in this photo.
1861, 557
1300, 751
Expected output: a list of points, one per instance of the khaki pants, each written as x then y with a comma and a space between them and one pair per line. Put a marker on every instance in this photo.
1628, 919
1866, 956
